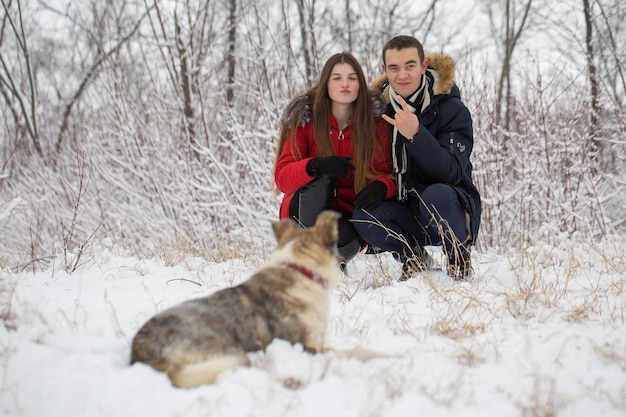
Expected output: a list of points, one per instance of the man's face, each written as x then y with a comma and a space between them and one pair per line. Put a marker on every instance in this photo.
404, 70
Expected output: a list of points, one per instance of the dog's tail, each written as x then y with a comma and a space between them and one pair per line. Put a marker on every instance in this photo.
206, 372
359, 352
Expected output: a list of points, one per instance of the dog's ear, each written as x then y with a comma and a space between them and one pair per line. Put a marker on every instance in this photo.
326, 225
284, 229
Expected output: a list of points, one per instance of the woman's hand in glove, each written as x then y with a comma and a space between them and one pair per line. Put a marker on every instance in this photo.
370, 196
335, 166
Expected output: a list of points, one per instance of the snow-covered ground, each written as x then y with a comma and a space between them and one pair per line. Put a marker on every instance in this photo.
539, 332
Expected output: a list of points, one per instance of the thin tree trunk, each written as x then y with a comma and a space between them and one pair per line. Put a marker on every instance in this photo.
308, 67
186, 81
593, 81
511, 37
29, 115
232, 37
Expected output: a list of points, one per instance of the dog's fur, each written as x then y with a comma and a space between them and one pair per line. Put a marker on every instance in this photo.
287, 299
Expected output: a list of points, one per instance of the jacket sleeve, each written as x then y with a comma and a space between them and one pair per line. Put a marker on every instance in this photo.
290, 173
444, 157
382, 160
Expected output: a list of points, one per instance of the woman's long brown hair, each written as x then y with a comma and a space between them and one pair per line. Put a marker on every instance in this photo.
364, 130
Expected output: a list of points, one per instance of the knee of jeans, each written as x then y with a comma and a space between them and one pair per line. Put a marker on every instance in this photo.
362, 220
367, 218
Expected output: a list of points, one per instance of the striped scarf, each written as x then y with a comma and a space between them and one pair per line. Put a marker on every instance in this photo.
399, 156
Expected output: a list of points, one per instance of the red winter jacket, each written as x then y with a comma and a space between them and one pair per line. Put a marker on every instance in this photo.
290, 174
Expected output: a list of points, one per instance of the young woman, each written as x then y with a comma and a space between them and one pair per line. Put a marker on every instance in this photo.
334, 151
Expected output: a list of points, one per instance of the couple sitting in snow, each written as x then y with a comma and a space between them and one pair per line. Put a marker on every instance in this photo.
395, 162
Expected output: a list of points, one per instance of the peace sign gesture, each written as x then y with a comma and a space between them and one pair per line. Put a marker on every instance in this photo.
404, 120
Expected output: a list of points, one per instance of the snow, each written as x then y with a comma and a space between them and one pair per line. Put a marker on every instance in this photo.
536, 332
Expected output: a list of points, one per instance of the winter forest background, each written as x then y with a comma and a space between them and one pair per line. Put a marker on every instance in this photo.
148, 126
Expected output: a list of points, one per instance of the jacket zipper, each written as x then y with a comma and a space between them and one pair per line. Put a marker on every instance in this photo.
341, 137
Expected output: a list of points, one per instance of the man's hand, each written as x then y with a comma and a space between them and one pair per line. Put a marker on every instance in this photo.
404, 120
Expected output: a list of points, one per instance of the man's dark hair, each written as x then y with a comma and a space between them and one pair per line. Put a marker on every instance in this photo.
403, 42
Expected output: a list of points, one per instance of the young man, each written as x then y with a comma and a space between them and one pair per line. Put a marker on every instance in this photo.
432, 139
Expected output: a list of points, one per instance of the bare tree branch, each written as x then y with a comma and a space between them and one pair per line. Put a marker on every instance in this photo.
92, 72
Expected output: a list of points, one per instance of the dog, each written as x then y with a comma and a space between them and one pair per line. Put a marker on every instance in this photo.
288, 298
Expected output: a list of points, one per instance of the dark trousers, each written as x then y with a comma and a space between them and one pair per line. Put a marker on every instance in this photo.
309, 201
436, 218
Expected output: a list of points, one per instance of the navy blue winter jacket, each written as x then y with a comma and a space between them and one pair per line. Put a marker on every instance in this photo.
440, 153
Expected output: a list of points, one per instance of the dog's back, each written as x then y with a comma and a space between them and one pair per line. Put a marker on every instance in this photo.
197, 340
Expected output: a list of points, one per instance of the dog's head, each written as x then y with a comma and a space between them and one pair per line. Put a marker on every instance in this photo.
325, 231
314, 248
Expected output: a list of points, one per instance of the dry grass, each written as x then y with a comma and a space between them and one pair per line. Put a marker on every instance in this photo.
544, 401
458, 312
456, 327
613, 354
7, 292
221, 248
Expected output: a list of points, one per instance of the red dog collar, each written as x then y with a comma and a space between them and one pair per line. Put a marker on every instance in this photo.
306, 272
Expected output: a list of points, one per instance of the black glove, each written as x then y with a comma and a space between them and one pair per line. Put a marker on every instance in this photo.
370, 196
335, 166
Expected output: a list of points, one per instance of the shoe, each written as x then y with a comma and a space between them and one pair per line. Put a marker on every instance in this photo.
419, 261
411, 267
371, 250
459, 267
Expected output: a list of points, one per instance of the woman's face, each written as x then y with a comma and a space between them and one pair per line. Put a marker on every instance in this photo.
343, 84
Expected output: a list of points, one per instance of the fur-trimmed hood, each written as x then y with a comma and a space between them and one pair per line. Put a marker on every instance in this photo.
300, 109
440, 65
